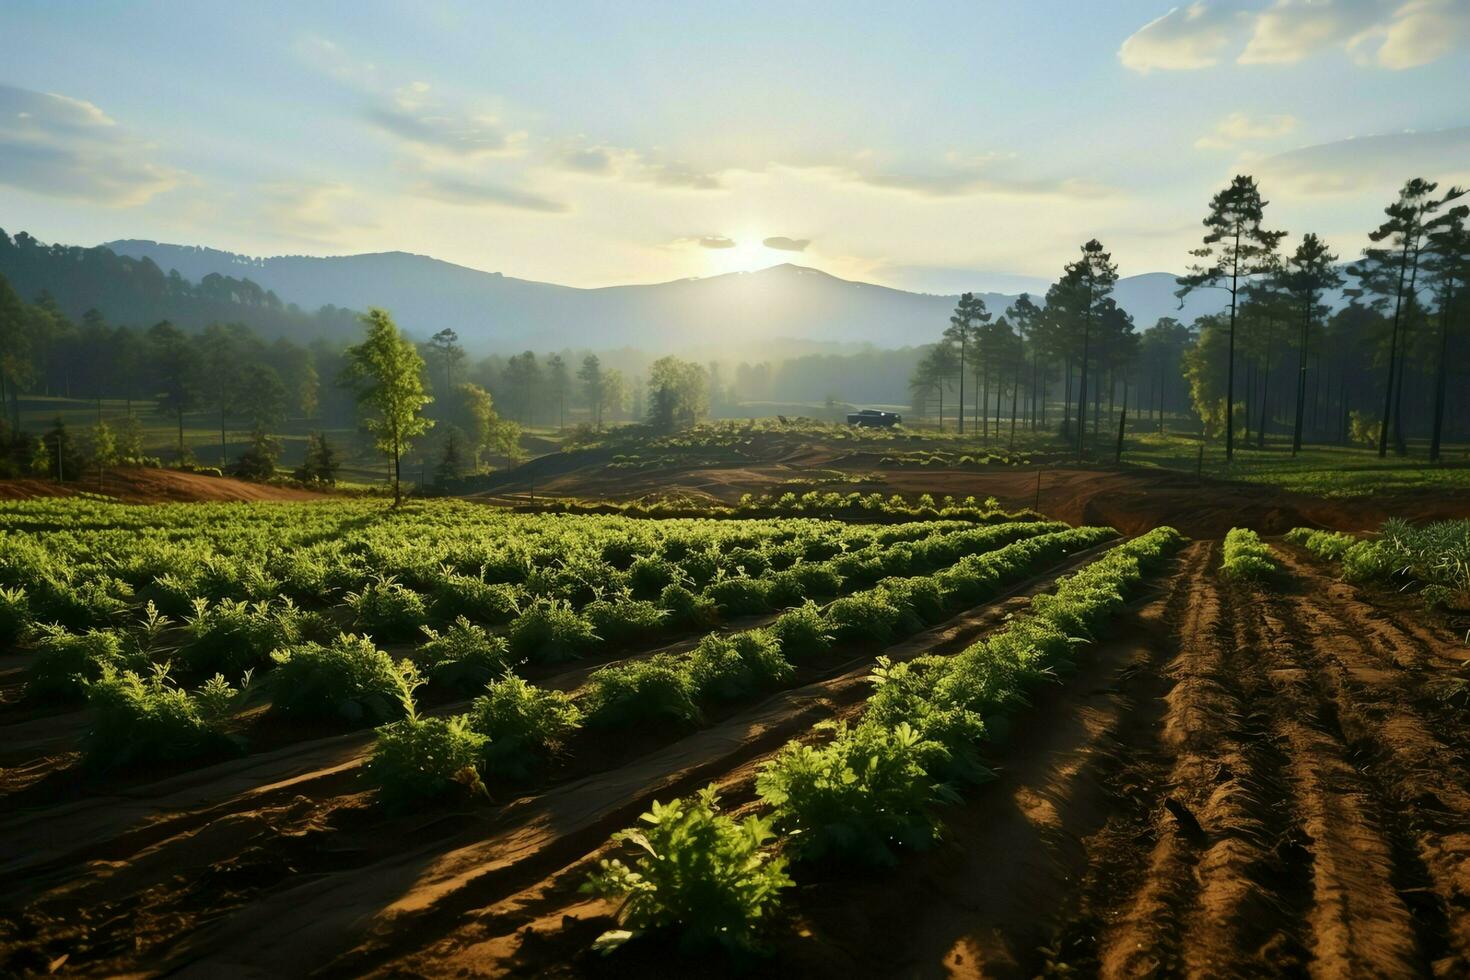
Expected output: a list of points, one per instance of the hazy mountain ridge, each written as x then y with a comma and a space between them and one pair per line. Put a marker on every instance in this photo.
492, 311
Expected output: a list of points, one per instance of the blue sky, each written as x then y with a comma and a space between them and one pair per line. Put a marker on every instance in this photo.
930, 146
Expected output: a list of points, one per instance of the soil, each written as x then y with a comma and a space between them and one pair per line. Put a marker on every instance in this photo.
1132, 499
1239, 781
146, 485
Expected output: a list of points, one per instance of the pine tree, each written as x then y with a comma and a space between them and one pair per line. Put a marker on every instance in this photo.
968, 314
1236, 250
1448, 268
1310, 272
1085, 284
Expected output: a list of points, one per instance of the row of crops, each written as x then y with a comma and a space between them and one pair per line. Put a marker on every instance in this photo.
866, 792
1432, 560
172, 621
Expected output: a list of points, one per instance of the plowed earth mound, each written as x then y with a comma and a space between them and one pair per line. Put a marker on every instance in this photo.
151, 486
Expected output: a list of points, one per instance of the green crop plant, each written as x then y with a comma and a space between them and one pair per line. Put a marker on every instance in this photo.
151, 719
698, 870
526, 726
230, 637
348, 680
388, 610
1246, 557
465, 656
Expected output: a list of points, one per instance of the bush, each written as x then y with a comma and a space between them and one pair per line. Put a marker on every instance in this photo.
729, 667
229, 637
348, 680
525, 725
687, 609
868, 617
655, 689
622, 621
802, 581
698, 870
1325, 545
15, 614
739, 596
64, 663
1246, 557
860, 795
465, 656
650, 574
387, 610
153, 720
420, 759
550, 631
802, 632
473, 597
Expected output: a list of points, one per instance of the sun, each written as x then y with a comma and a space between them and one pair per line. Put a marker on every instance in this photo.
746, 255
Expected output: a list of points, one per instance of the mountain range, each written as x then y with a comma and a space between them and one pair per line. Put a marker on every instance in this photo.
781, 305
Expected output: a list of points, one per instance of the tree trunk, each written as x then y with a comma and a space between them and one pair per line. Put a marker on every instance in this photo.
1265, 398
1440, 372
181, 436
1015, 397
961, 420
1082, 380
1301, 378
1122, 424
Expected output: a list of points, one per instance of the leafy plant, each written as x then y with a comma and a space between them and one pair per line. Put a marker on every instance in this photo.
64, 663
802, 632
1247, 557
153, 719
725, 667
525, 725
232, 636
700, 871
622, 620
387, 610
15, 614
416, 760
654, 689
348, 680
465, 656
549, 631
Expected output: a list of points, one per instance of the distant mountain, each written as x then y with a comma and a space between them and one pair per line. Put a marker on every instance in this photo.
735, 311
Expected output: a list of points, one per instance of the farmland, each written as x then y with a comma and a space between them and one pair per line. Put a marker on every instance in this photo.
408, 740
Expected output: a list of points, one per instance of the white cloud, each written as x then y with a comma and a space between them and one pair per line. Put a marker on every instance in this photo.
1378, 163
1184, 38
714, 241
1239, 127
64, 147
1391, 34
413, 117
472, 191
577, 157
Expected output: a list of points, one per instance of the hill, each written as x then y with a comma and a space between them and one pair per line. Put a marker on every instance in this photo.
490, 311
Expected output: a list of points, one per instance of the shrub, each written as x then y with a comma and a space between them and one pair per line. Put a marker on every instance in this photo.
64, 663
387, 610
654, 689
1325, 545
802, 581
802, 632
525, 725
868, 617
464, 656
348, 680
650, 574
687, 609
15, 614
154, 720
863, 793
621, 621
549, 631
471, 596
421, 759
728, 667
1246, 557
229, 637
699, 870
739, 596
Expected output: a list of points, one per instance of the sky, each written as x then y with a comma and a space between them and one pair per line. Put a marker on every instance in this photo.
933, 146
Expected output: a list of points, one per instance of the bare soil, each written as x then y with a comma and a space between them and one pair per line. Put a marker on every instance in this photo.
146, 485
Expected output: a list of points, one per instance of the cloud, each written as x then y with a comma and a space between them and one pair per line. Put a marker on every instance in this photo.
631, 165
783, 244
1381, 162
410, 116
715, 241
1184, 38
1391, 34
474, 192
1240, 127
969, 184
64, 147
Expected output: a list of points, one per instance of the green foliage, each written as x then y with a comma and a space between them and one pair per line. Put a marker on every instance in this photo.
388, 374
387, 609
655, 689
349, 680
232, 637
465, 656
699, 870
143, 720
1325, 545
550, 631
859, 796
739, 596
621, 621
64, 663
418, 760
15, 614
685, 608
1246, 557
525, 725
726, 667
471, 596
802, 632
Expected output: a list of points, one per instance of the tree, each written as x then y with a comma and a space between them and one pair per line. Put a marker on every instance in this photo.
220, 351
321, 463
614, 394
1161, 351
15, 350
103, 449
445, 354
451, 458
386, 373
1393, 272
678, 393
258, 461
1447, 267
590, 375
1086, 283
523, 376
559, 380
968, 314
174, 366
1026, 316
261, 397
931, 376
486, 430
1235, 248
1310, 271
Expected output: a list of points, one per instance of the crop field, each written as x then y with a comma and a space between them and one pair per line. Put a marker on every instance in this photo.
456, 739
